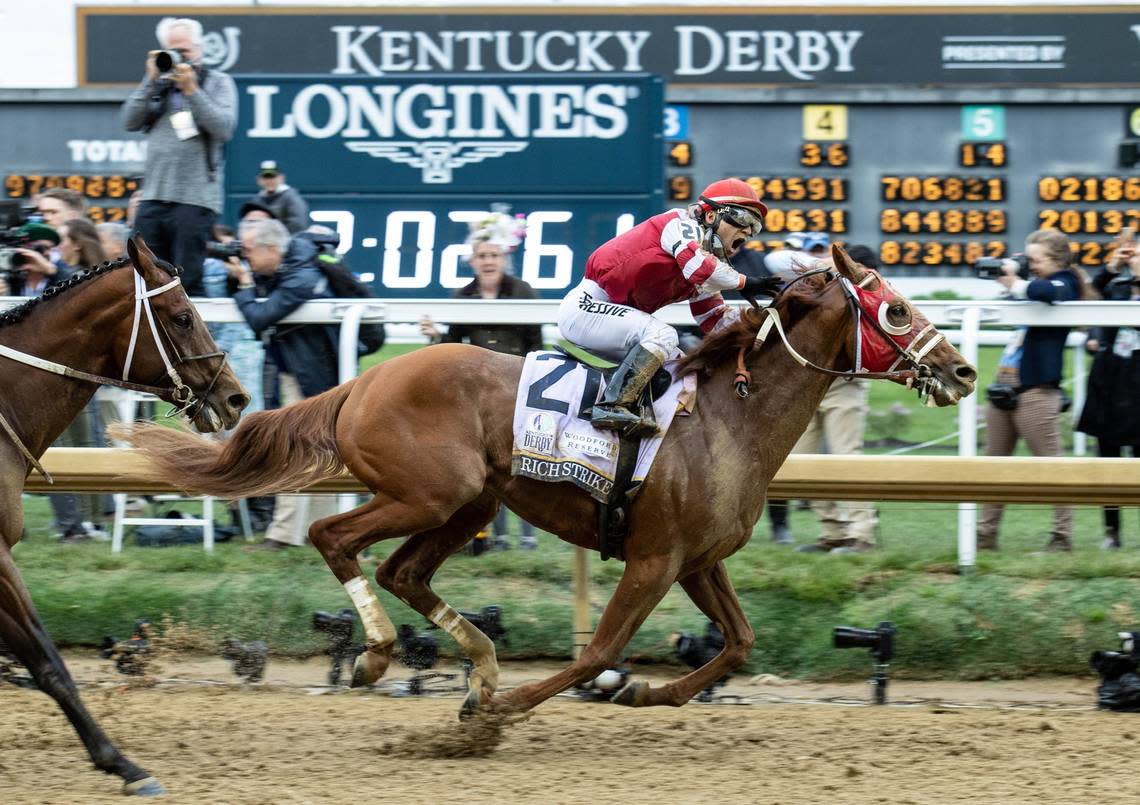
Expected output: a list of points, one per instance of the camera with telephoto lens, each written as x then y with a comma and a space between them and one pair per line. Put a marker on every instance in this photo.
990, 268
14, 215
223, 251
698, 650
879, 640
166, 60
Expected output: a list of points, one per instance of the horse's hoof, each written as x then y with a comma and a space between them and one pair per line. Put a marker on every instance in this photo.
475, 701
146, 787
368, 668
630, 694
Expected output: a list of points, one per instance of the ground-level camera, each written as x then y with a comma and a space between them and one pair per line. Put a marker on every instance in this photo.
1119, 688
880, 641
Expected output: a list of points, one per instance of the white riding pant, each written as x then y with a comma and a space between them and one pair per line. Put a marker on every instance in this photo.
590, 320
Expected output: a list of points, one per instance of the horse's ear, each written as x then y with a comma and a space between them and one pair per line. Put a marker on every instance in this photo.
143, 259
845, 265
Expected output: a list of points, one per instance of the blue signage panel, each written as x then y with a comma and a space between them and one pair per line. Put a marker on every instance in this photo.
517, 134
400, 165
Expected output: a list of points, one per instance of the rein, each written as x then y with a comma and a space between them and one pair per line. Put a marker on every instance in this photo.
183, 397
920, 371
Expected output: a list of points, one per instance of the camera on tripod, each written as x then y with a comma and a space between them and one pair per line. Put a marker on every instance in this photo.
990, 268
1119, 688
698, 650
338, 628
880, 641
131, 655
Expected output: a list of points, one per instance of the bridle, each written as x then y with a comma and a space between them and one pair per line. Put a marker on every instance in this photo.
911, 354
184, 398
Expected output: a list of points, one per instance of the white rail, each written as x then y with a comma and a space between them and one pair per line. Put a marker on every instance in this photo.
972, 323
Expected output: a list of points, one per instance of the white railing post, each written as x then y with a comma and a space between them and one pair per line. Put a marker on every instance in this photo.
968, 439
1080, 440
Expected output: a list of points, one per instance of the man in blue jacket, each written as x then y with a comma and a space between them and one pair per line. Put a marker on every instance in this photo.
1026, 400
276, 276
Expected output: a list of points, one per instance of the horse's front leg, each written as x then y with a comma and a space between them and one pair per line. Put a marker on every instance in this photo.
711, 590
22, 632
642, 586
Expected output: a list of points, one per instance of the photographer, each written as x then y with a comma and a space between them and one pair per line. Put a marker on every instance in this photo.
188, 113
31, 270
303, 356
1026, 400
1110, 411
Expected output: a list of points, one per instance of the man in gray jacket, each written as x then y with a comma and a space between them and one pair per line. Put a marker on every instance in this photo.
282, 200
187, 112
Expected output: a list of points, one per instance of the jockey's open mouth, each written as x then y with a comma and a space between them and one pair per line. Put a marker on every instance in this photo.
737, 244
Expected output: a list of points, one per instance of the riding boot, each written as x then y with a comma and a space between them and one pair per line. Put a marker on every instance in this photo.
620, 408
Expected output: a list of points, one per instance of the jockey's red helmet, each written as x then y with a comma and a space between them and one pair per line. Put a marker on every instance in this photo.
734, 193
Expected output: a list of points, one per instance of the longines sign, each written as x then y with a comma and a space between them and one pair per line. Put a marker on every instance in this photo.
491, 133
937, 46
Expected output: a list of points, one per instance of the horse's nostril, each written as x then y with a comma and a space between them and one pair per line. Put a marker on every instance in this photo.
966, 372
237, 402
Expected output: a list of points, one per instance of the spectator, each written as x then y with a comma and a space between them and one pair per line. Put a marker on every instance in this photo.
255, 211
792, 256
1026, 400
818, 245
133, 208
1110, 413
188, 113
839, 424
37, 271
302, 358
492, 241
113, 238
58, 204
282, 201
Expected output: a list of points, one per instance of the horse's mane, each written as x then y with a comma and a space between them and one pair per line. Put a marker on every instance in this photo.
18, 314
719, 346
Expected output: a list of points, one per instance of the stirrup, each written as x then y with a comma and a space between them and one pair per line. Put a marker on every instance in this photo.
613, 417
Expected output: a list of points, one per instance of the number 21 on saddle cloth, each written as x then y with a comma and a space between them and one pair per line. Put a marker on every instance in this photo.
553, 438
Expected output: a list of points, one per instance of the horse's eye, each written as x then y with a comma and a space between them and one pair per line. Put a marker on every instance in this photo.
898, 311
184, 320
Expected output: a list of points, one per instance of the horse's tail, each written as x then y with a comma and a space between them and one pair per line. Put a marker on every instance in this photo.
270, 452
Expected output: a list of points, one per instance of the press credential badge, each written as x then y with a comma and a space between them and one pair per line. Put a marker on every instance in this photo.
184, 125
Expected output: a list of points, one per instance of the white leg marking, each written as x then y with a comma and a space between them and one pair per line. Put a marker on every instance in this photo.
377, 625
477, 645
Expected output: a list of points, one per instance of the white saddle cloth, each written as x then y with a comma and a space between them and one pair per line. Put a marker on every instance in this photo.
554, 440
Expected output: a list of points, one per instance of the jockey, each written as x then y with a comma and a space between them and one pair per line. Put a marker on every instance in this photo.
677, 255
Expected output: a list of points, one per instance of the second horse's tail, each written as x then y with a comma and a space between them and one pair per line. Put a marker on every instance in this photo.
269, 452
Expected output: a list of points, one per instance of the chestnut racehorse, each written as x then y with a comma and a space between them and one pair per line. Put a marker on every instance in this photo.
430, 434
103, 326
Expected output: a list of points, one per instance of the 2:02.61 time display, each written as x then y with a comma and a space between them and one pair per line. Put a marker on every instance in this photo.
938, 253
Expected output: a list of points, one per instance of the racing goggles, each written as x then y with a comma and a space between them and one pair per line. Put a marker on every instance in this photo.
742, 218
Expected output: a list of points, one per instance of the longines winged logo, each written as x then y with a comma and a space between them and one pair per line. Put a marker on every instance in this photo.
437, 158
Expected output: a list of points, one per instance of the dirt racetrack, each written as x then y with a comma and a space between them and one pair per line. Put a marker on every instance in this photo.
1037, 742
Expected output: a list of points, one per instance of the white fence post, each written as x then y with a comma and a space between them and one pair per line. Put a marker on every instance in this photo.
968, 438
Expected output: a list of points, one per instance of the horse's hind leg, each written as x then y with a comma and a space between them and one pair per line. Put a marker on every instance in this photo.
407, 574
642, 586
22, 632
711, 590
341, 538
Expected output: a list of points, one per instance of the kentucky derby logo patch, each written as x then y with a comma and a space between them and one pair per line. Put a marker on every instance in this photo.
539, 434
